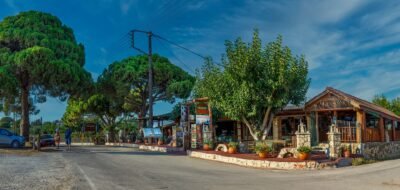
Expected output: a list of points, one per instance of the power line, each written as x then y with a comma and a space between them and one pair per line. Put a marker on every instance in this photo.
180, 46
175, 56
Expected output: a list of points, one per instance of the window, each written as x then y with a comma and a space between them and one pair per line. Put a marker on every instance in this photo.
4, 132
397, 126
372, 121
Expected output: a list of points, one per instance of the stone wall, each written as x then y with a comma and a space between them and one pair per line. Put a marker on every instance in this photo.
381, 150
304, 165
160, 148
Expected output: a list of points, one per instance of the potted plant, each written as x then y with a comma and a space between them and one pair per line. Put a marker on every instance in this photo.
304, 152
207, 145
262, 149
346, 151
232, 147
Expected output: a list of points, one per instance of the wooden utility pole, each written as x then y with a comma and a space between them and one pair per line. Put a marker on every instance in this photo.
150, 56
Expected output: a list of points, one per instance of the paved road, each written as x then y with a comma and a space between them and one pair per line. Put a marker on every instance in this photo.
127, 168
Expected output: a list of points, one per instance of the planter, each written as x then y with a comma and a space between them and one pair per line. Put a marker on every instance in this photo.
347, 153
231, 150
303, 156
206, 147
160, 143
262, 154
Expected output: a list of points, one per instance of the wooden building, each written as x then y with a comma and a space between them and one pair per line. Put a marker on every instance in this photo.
357, 120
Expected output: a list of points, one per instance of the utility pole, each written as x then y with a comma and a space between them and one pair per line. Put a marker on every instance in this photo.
150, 56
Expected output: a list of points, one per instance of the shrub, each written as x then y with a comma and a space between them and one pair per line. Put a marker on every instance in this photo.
209, 143
304, 149
233, 144
361, 161
262, 147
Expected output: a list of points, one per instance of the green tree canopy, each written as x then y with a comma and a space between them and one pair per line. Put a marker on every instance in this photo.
254, 82
392, 105
129, 78
39, 57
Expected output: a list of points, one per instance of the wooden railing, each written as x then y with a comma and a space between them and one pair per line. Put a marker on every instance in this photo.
348, 134
348, 130
397, 136
372, 135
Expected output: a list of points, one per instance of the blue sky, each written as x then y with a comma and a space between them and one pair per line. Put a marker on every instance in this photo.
351, 45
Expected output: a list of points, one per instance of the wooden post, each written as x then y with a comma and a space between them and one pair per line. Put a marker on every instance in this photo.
393, 130
359, 126
382, 129
317, 126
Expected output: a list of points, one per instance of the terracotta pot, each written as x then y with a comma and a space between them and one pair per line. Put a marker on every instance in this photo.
206, 147
303, 156
231, 150
347, 153
262, 154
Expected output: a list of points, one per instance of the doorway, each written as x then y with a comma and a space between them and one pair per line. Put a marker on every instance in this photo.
324, 121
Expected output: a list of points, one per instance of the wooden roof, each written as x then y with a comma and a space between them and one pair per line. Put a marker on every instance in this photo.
355, 101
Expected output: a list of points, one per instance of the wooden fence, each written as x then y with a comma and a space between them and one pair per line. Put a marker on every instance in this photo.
372, 135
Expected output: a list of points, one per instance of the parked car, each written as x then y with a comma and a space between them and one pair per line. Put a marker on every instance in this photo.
8, 138
47, 140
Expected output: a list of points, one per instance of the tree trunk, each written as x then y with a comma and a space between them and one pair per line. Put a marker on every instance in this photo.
24, 125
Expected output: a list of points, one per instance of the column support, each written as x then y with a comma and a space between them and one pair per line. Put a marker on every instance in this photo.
382, 129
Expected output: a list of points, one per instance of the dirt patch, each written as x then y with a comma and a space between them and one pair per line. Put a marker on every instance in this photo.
17, 152
41, 171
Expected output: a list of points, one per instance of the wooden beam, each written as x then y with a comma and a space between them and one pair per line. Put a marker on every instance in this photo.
317, 126
393, 130
360, 122
382, 128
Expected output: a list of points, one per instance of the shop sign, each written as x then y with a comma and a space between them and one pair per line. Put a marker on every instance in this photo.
201, 109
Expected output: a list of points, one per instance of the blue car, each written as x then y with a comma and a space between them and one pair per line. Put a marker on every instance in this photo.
10, 139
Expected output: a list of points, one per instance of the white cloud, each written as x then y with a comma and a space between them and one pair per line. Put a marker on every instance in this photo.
125, 6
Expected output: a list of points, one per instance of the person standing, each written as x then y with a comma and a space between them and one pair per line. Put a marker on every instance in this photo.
57, 138
68, 139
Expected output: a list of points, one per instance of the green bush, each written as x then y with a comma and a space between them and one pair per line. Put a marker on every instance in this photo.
233, 144
209, 143
304, 149
262, 146
361, 161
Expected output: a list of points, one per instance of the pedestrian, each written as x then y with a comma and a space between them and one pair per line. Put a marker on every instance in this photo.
57, 138
68, 135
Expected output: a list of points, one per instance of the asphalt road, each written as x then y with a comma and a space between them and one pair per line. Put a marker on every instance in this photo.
127, 168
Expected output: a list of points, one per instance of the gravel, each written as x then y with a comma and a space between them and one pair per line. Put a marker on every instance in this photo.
25, 169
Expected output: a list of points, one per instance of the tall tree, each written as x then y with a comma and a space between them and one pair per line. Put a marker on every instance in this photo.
42, 58
392, 105
254, 82
129, 78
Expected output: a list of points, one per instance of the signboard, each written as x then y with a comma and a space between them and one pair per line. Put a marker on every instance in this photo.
194, 136
202, 119
202, 109
152, 132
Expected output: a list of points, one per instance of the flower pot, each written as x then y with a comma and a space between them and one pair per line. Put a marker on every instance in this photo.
206, 147
303, 156
231, 150
159, 143
347, 153
262, 154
